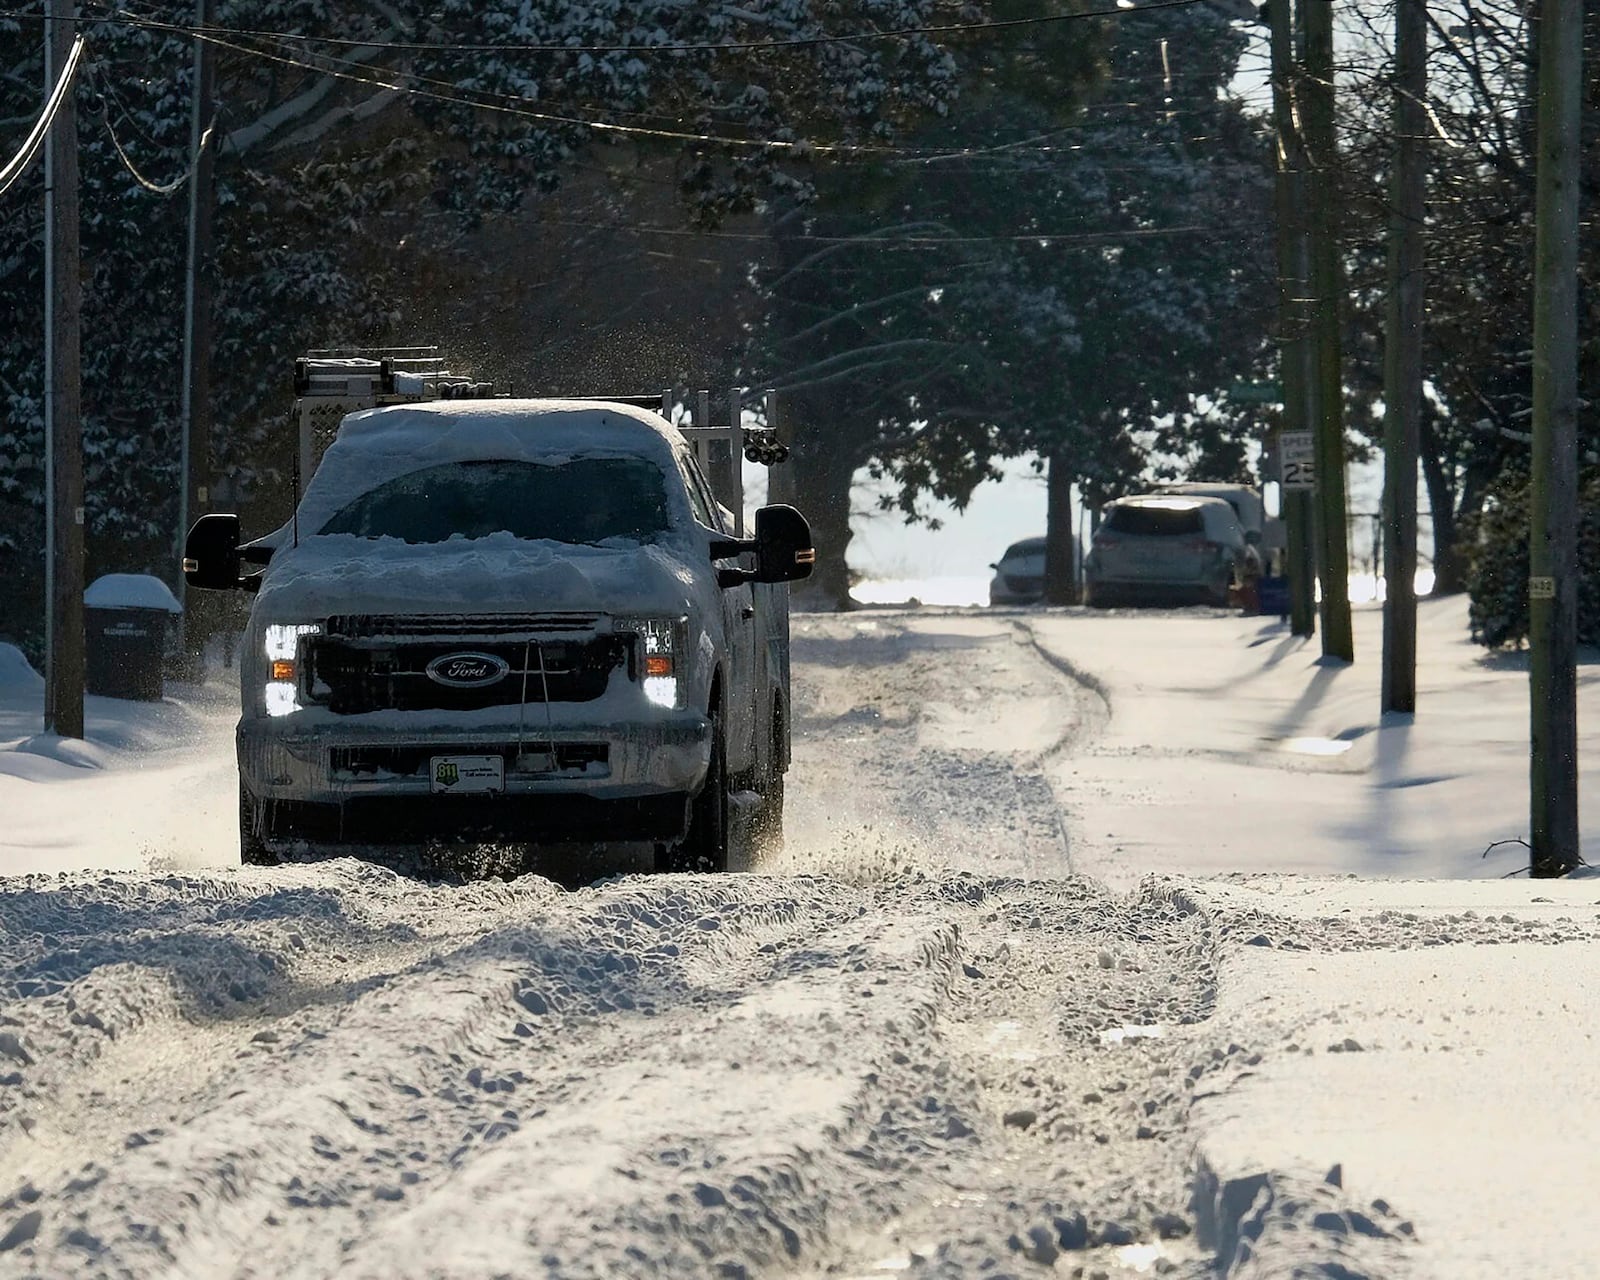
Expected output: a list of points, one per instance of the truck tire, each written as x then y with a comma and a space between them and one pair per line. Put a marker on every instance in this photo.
253, 851
769, 816
705, 847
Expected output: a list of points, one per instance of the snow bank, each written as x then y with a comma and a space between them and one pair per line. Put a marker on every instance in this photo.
49, 746
1431, 1041
131, 591
16, 673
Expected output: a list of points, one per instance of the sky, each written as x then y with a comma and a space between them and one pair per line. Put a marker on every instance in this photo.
967, 543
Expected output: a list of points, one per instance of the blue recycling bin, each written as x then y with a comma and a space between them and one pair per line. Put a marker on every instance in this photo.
1273, 593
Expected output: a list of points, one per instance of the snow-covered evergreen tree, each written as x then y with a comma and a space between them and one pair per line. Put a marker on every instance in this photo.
354, 140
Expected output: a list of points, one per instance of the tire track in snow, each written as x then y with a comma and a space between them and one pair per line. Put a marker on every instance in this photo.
107, 977
1077, 1152
357, 1120
921, 740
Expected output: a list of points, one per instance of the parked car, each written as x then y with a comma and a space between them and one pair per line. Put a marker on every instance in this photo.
1019, 574
1165, 548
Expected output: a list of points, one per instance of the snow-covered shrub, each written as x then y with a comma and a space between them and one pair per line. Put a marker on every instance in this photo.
1497, 578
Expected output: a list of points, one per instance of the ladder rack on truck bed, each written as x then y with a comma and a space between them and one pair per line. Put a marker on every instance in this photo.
330, 384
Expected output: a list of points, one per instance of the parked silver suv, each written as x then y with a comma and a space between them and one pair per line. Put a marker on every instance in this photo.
1165, 549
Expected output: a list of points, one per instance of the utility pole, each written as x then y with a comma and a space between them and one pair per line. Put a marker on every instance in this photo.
1060, 558
195, 451
1294, 344
1327, 293
1402, 365
63, 696
1552, 540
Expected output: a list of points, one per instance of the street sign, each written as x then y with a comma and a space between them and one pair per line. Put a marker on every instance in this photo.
1256, 393
1297, 459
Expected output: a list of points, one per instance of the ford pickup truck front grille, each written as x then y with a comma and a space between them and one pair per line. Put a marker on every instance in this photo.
352, 674
464, 628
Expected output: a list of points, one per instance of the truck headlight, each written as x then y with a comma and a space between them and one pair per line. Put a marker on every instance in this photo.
281, 641
662, 644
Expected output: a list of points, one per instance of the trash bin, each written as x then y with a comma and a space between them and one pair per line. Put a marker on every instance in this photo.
1273, 595
126, 621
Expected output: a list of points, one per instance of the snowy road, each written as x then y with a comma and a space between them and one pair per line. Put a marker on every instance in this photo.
915, 1043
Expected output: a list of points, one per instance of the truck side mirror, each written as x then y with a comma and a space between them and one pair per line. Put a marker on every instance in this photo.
784, 552
211, 553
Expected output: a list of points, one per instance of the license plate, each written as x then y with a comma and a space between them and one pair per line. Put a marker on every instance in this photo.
467, 773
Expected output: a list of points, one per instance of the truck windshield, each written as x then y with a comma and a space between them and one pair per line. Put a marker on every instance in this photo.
583, 500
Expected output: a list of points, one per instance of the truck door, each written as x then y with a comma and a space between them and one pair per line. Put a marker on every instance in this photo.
742, 712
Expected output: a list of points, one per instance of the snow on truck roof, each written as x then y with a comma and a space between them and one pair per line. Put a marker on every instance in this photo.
376, 445
460, 430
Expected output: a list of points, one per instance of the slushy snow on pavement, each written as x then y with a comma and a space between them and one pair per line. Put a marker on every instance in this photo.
1102, 944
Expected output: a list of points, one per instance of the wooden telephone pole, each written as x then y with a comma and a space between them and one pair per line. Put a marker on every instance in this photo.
1552, 541
1294, 321
63, 695
195, 410
1327, 296
1402, 367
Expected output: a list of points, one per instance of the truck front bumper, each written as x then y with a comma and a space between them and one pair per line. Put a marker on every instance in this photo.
326, 777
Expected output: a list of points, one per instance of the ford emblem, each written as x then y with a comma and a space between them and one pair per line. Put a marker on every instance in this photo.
467, 670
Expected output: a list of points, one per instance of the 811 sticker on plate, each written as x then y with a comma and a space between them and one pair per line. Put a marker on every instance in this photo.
467, 773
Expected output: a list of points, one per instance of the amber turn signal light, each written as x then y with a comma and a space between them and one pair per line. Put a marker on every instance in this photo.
282, 669
658, 664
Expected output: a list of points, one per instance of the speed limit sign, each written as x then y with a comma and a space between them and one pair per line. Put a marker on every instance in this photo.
1297, 455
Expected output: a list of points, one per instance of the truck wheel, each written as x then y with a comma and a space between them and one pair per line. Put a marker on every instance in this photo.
253, 851
705, 848
769, 816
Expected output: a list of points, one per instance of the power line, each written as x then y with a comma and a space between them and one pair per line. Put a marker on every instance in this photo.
18, 164
217, 33
160, 189
445, 91
1044, 239
390, 81
454, 91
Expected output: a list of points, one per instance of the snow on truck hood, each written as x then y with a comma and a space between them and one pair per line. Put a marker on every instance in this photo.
498, 574
378, 445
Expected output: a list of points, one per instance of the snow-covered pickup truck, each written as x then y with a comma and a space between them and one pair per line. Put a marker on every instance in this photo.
520, 621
